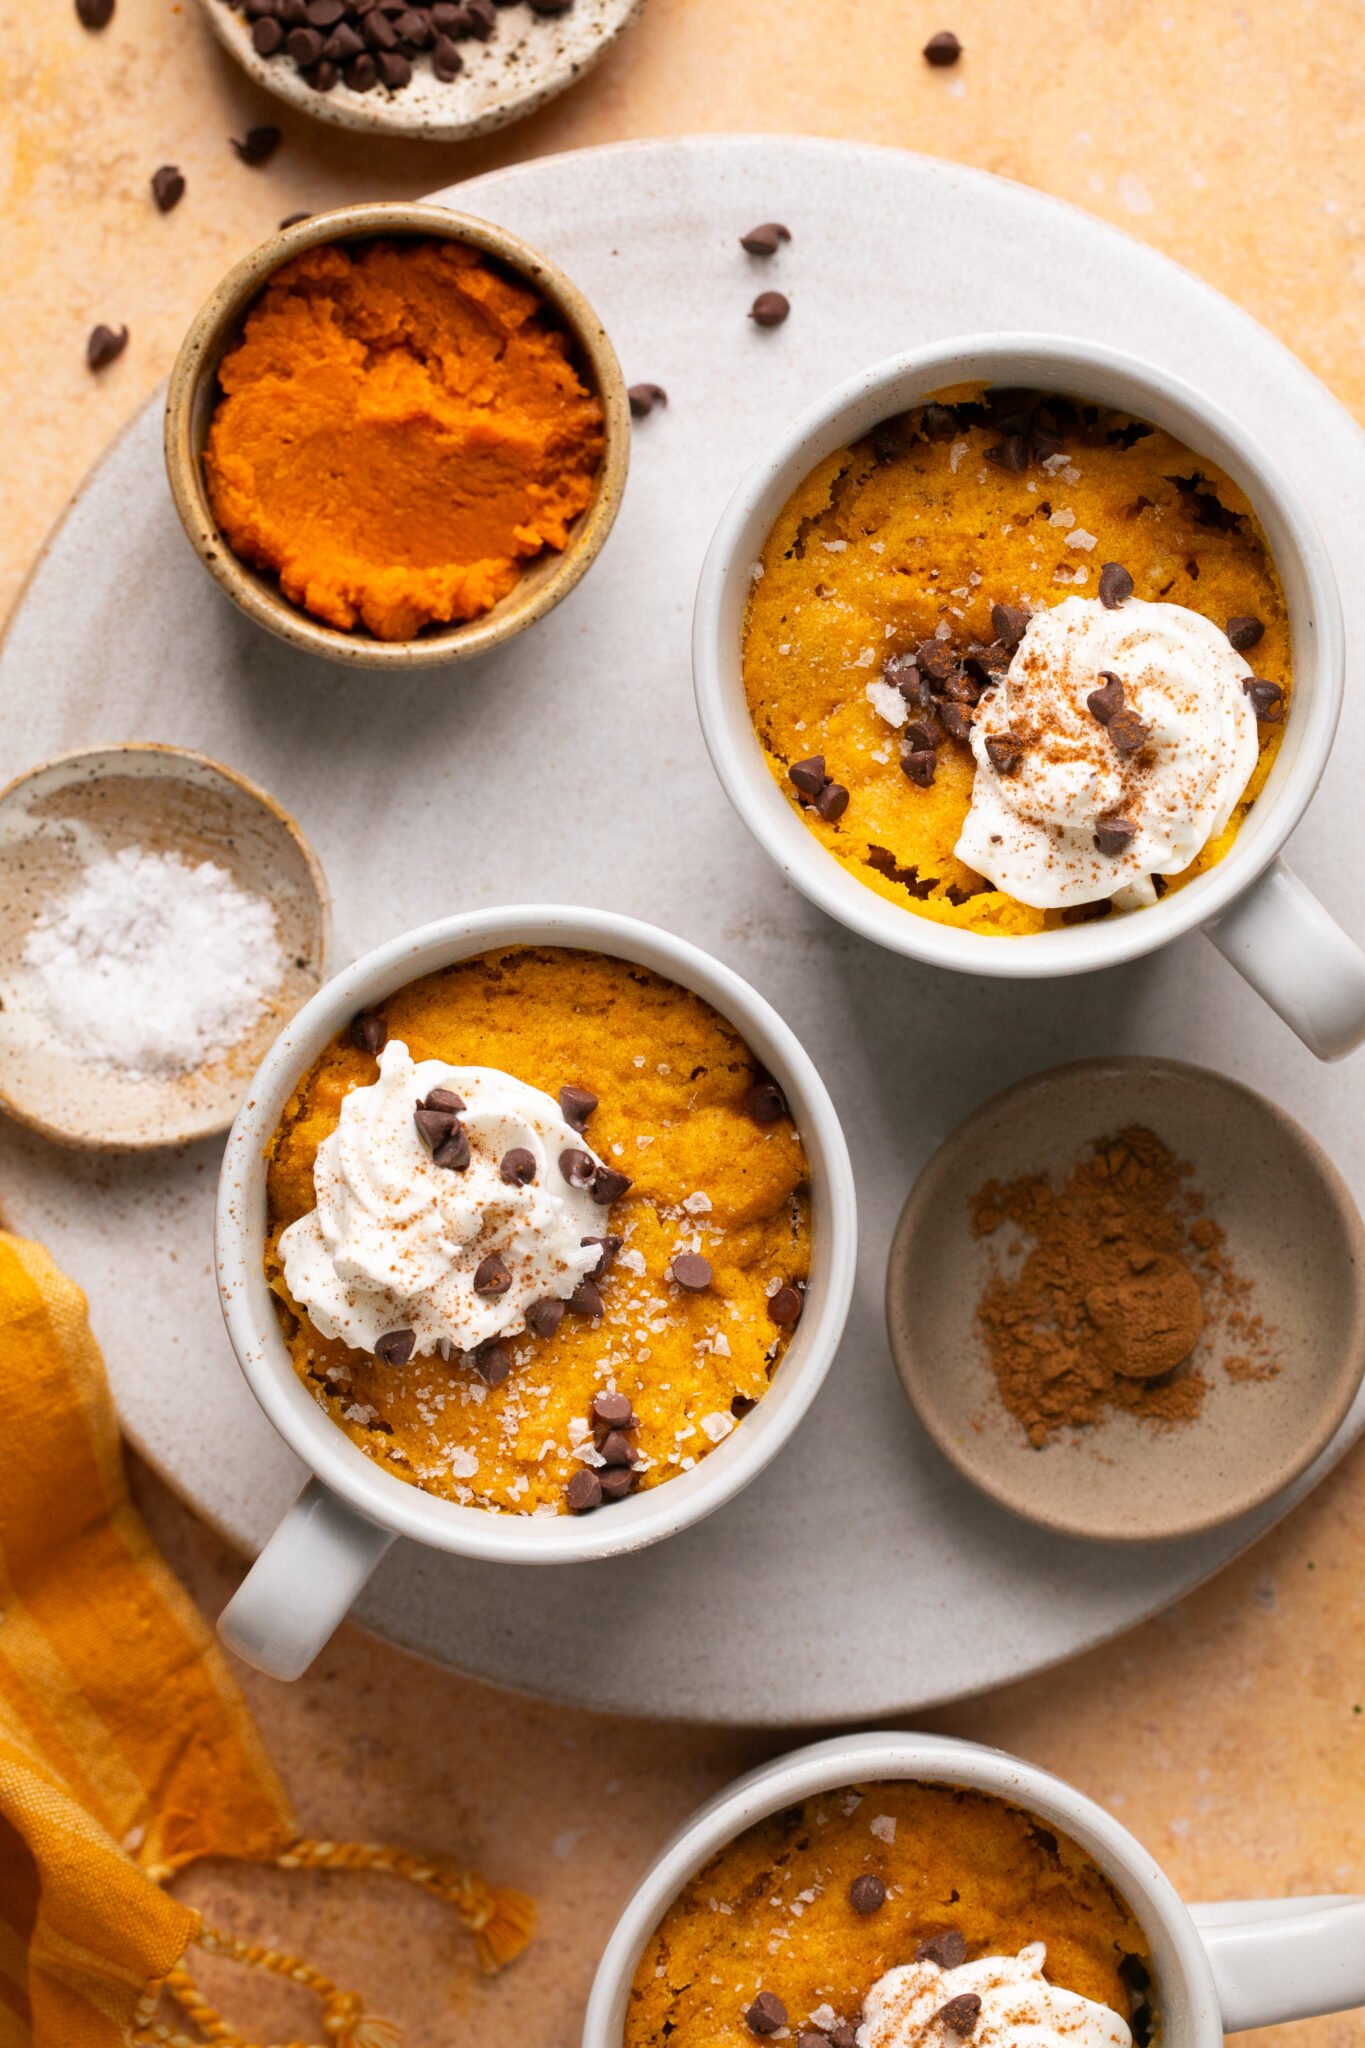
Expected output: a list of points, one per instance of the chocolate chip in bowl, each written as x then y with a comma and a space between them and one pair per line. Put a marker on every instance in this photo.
1127, 1299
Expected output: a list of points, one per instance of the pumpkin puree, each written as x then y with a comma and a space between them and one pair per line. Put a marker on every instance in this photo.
400, 432
909, 528
671, 1075
771, 1912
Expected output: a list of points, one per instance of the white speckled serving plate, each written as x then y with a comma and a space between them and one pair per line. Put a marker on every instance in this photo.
528, 59
860, 1576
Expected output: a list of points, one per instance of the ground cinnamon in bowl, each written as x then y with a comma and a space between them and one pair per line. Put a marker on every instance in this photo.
1102, 1296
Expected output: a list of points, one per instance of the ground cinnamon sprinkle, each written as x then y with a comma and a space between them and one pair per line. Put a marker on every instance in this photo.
1122, 1272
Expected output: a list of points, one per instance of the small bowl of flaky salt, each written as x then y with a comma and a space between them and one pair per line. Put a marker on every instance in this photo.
161, 918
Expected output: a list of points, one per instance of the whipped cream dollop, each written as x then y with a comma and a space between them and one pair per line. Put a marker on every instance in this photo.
396, 1240
1051, 780
1018, 2008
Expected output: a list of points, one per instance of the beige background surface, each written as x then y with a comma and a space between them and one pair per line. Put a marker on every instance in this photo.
1230, 1734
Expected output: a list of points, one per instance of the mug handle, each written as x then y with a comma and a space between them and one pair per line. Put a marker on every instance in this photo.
1280, 939
297, 1592
1284, 1959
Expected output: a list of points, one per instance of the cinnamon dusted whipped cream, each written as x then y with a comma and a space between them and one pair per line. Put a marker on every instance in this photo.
994, 2002
1114, 749
404, 1238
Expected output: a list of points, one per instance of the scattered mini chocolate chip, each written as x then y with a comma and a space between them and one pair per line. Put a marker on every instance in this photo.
434, 1125
608, 1247
844, 2037
691, 1272
267, 35
1267, 699
766, 239
1010, 454
766, 2014
578, 1168
106, 345
935, 658
902, 672
394, 68
1127, 733
517, 1167
395, 1346
362, 73
445, 1099
493, 1275
291, 220
168, 187
769, 309
1004, 752
962, 2013
446, 61
94, 13
942, 50
608, 1186
583, 1492
1108, 699
921, 765
368, 1032
643, 399
576, 1105
809, 775
612, 1409
956, 720
453, 1153
304, 46
1116, 585
585, 1300
614, 1449
785, 1306
1009, 623
258, 145
763, 1100
544, 1317
832, 802
1244, 631
493, 1364
616, 1481
948, 1950
867, 1893
809, 2040
918, 736
480, 18
1115, 835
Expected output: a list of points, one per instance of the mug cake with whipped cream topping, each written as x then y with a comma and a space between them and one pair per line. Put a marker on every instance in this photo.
999, 654
896, 1915
539, 1230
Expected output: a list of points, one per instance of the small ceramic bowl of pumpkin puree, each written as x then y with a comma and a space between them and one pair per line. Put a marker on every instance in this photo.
397, 436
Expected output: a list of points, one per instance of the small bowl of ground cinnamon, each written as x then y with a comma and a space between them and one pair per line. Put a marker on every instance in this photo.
1127, 1299
396, 436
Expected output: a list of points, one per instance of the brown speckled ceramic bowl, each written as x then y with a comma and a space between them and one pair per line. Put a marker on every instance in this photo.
193, 394
1293, 1231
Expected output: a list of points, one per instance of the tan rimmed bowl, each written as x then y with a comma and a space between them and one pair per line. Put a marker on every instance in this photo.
1293, 1233
57, 819
193, 393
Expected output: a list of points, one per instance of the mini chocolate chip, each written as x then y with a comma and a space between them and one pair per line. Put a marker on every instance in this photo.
902, 672
1114, 835
1244, 631
742, 1406
414, 27
1127, 733
832, 802
643, 399
766, 2014
935, 658
395, 1346
325, 13
608, 1247
394, 68
763, 1101
691, 1272
579, 1169
812, 2041
764, 240
844, 2037
1267, 699
453, 1153
948, 1950
304, 46
942, 49
434, 1125
362, 73
585, 1300
493, 1364
961, 2013
1115, 585
445, 1099
956, 720
168, 189
1009, 622
576, 1105
1108, 699
493, 1275
480, 18
613, 1409
867, 1894
769, 309
785, 1306
1011, 454
616, 1481
379, 31
446, 61
94, 13
517, 1167
258, 145
267, 36
1004, 752
106, 345
809, 775
614, 1450
918, 736
920, 764
609, 1186
544, 1317
583, 1492
368, 1032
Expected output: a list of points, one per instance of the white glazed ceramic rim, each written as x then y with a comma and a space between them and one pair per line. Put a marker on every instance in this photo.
1184, 1986
1081, 369
254, 1329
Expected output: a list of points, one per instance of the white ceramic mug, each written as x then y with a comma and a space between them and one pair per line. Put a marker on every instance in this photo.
1255, 910
349, 1512
1215, 1969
